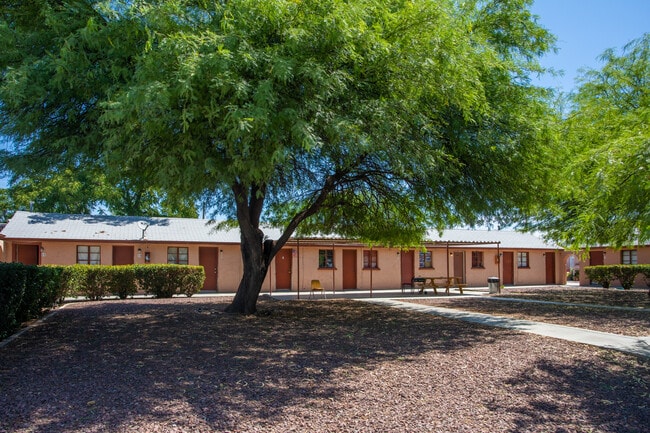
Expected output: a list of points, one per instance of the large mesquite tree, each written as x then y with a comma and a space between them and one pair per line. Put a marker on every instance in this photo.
375, 119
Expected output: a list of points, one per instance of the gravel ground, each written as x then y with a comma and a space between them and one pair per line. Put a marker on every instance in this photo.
183, 365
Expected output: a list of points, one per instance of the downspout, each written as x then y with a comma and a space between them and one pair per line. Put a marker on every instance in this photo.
370, 270
334, 269
499, 266
447, 255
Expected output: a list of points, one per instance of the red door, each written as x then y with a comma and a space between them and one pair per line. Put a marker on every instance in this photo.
283, 261
550, 268
349, 269
407, 265
596, 258
27, 254
508, 268
209, 259
122, 255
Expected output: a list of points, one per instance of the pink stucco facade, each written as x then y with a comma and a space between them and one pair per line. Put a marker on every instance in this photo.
304, 263
471, 256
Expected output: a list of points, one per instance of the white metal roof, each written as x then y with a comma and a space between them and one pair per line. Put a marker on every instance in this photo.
49, 226
28, 225
506, 238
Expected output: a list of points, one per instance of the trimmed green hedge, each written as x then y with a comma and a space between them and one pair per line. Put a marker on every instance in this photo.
162, 281
26, 291
625, 274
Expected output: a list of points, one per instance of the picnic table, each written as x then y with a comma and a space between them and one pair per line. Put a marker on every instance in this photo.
435, 283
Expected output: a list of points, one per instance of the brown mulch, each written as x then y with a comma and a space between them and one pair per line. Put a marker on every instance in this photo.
183, 365
634, 320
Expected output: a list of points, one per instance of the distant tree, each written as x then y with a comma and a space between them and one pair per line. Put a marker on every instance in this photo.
604, 197
375, 119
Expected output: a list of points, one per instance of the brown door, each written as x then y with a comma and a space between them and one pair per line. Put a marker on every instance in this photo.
550, 268
27, 254
459, 266
122, 255
209, 259
596, 258
407, 264
508, 268
283, 269
349, 269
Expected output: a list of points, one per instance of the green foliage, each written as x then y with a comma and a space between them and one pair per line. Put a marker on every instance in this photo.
374, 119
121, 281
12, 288
25, 292
165, 281
603, 193
625, 274
603, 275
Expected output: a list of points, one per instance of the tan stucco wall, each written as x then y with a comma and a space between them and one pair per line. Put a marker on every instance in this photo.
305, 265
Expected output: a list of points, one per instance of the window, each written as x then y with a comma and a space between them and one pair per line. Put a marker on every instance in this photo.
89, 255
477, 259
628, 257
426, 261
522, 260
177, 255
370, 259
326, 259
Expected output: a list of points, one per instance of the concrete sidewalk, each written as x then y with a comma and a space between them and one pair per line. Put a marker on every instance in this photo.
639, 346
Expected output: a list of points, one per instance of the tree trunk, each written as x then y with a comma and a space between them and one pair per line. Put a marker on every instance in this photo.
256, 258
256, 252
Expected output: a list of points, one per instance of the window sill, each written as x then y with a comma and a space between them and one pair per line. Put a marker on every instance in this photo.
326, 269
371, 269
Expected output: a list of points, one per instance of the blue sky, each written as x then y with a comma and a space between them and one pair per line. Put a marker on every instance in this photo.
586, 28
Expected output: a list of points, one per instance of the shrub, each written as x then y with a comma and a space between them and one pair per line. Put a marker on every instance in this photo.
164, 281
12, 288
625, 274
603, 275
121, 281
192, 280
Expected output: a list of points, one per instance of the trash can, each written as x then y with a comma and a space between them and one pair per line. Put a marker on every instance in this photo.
493, 284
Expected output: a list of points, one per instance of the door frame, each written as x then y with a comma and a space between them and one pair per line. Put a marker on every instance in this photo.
284, 269
203, 261
509, 271
550, 267
349, 258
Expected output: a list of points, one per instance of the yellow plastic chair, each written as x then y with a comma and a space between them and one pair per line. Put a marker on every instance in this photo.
316, 287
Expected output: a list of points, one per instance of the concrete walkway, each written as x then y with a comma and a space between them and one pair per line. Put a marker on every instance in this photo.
635, 345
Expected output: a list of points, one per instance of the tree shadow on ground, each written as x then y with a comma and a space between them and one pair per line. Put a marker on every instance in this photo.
186, 365
611, 395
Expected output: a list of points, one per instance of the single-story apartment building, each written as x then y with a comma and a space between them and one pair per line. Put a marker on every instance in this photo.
603, 255
339, 264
